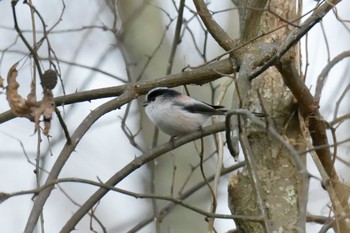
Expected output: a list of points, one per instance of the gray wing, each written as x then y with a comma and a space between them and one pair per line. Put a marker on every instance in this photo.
203, 108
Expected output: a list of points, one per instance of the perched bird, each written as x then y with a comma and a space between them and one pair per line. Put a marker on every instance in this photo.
177, 114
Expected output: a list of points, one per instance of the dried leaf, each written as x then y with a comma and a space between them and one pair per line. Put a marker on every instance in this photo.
46, 109
27, 107
17, 104
31, 97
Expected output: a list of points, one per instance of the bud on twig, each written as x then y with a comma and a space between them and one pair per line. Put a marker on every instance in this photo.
49, 79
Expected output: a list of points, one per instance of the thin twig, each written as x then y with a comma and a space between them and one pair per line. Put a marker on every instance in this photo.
325, 177
20, 34
325, 71
339, 101
165, 210
212, 193
296, 35
176, 38
63, 125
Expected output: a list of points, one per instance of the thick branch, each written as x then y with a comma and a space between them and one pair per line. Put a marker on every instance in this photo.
309, 108
317, 129
129, 94
132, 166
213, 27
250, 13
294, 37
202, 75
69, 148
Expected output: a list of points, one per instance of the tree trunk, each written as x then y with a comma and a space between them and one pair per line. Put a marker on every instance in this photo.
277, 173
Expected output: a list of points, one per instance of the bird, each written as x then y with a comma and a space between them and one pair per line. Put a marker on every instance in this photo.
177, 114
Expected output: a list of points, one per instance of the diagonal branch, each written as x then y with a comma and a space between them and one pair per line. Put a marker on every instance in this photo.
213, 27
294, 37
324, 73
132, 166
69, 148
202, 75
317, 129
309, 108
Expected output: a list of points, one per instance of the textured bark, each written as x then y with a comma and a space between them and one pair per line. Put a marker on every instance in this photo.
277, 173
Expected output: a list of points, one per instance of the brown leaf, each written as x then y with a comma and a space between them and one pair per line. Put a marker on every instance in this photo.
17, 104
47, 107
27, 107
31, 97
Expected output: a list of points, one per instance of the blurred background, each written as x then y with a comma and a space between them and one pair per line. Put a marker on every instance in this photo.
109, 43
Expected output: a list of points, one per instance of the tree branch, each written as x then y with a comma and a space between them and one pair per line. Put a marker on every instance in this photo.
69, 148
198, 76
294, 37
219, 35
132, 166
324, 73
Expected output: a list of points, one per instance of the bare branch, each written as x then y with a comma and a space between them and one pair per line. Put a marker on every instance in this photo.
213, 27
324, 73
198, 76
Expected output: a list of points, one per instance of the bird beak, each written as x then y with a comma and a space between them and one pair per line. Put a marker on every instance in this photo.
145, 103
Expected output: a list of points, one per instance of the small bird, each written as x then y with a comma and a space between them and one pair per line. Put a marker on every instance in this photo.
177, 114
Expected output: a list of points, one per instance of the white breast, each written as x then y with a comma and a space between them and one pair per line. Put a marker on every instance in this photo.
173, 120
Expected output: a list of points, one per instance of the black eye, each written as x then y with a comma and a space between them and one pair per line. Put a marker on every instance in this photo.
162, 93
151, 98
